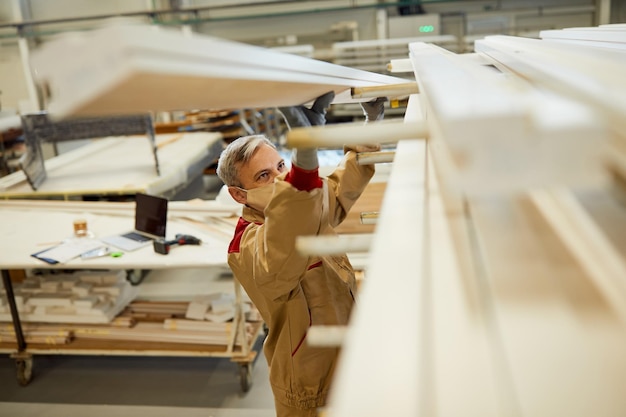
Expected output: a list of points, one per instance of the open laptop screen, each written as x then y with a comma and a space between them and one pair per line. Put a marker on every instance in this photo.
150, 214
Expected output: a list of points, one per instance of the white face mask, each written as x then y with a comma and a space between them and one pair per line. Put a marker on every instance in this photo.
258, 198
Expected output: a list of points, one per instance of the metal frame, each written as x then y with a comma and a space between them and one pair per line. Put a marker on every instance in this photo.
39, 128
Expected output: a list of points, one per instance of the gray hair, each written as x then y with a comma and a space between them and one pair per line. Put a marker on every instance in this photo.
236, 153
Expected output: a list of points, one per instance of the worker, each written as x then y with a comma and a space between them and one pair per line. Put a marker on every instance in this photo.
293, 291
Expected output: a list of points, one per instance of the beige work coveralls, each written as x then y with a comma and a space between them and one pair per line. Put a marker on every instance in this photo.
291, 291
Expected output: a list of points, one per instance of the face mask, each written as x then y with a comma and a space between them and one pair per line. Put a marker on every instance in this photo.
259, 198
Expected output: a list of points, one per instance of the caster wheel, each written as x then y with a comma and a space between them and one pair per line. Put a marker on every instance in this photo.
136, 276
24, 371
245, 374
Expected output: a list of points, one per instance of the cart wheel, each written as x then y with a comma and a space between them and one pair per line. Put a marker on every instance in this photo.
245, 373
136, 276
24, 370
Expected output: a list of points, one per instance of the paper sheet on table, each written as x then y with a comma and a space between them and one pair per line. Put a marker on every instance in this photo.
67, 250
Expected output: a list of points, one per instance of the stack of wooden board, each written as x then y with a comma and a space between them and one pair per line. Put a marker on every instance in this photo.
141, 321
82, 297
496, 277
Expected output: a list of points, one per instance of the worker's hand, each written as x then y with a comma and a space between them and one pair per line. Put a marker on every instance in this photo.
300, 116
374, 110
367, 148
362, 148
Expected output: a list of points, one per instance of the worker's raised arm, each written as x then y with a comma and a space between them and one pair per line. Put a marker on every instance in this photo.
304, 169
349, 179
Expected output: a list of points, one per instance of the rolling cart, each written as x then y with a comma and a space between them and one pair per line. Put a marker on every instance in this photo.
31, 225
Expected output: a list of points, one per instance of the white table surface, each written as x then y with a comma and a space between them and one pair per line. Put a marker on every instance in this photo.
120, 165
31, 227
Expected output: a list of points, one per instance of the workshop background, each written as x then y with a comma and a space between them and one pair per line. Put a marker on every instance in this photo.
355, 33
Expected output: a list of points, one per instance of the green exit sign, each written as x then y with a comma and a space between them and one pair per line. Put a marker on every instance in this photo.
426, 28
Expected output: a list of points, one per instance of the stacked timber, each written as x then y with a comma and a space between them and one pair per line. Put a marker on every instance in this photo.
57, 334
170, 331
142, 321
48, 336
218, 307
80, 297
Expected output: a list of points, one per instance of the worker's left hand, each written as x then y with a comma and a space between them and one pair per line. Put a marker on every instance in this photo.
367, 148
300, 116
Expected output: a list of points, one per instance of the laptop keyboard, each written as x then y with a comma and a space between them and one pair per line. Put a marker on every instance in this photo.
136, 236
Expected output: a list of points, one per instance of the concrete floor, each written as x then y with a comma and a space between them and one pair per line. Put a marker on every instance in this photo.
114, 386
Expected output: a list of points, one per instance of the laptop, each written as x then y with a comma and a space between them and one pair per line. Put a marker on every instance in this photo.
150, 224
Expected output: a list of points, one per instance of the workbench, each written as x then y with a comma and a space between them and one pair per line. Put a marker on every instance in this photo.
35, 225
121, 165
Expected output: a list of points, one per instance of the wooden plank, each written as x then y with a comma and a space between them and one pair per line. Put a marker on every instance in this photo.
400, 352
432, 338
333, 245
556, 327
369, 217
604, 34
594, 75
395, 90
135, 348
93, 73
123, 208
587, 244
368, 158
587, 75
370, 200
326, 335
400, 66
37, 339
338, 135
497, 126
154, 332
605, 206
466, 375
